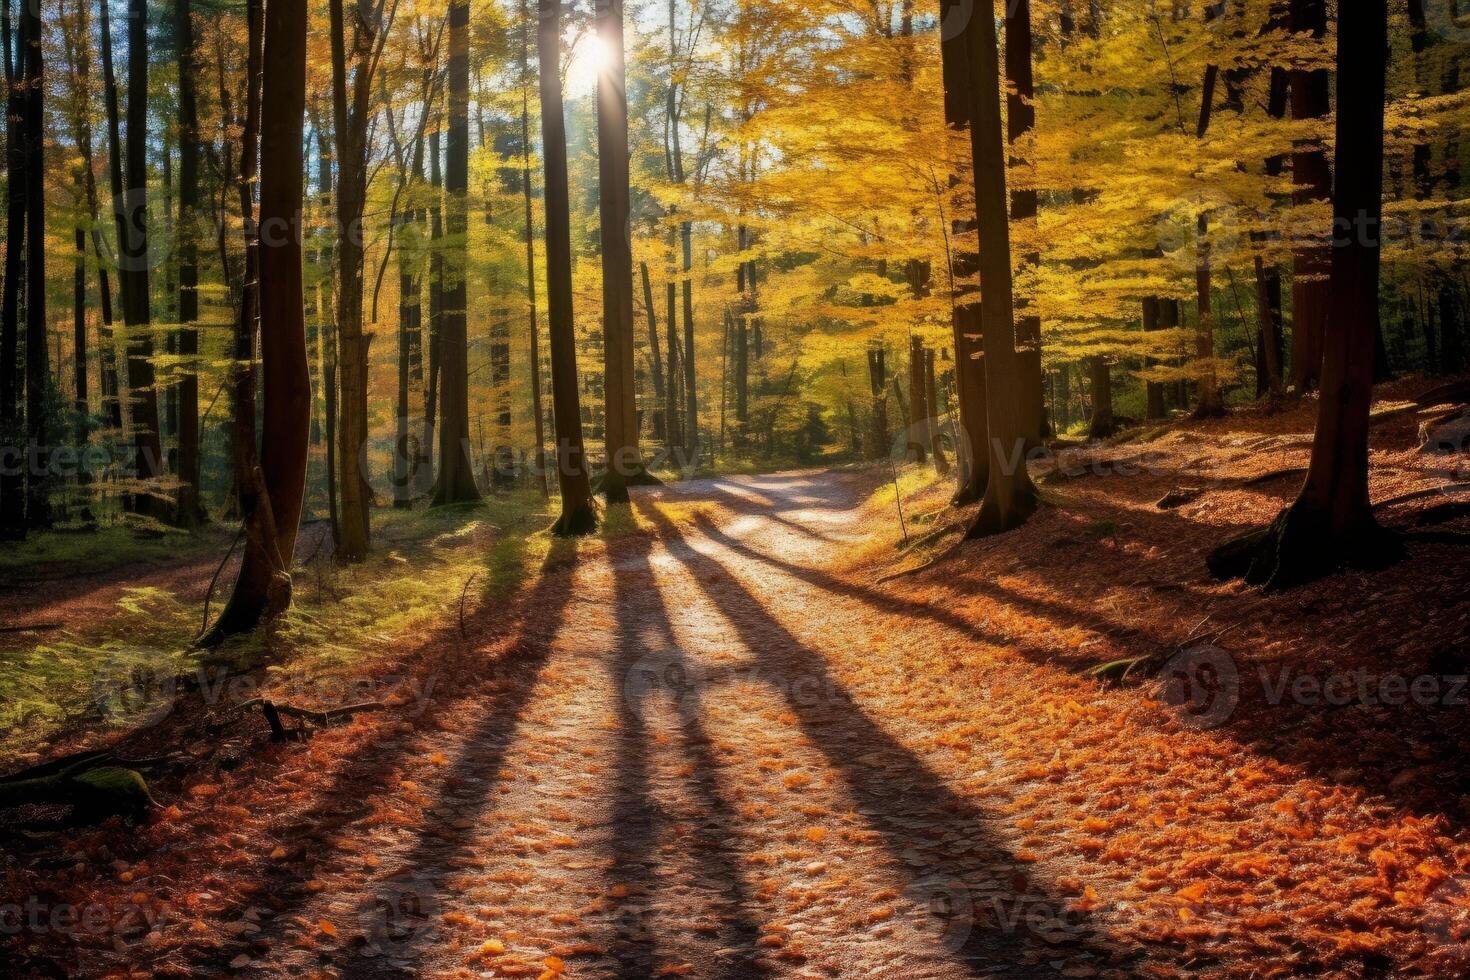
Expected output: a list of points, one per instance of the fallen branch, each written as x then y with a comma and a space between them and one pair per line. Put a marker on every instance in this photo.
321, 719
462, 593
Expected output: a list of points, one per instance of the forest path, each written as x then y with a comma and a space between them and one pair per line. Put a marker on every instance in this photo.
686, 784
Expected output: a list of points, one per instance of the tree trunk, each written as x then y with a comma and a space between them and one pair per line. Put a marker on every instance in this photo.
456, 482
12, 483
81, 62
624, 460
276, 490
352, 345
1100, 378
971, 449
1332, 523
327, 339
1268, 314
38, 379
655, 356
133, 269
878, 385
1010, 498
578, 512
691, 398
1154, 391
1020, 121
191, 510
673, 410
931, 400
916, 446
534, 327
1312, 178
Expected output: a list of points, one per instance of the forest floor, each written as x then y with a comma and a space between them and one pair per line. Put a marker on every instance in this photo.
709, 742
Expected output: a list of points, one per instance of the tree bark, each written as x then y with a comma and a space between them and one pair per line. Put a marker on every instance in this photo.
624, 460
578, 512
190, 508
916, 445
535, 329
352, 348
971, 452
277, 481
12, 484
655, 356
1312, 179
133, 273
1153, 390
1100, 378
1010, 498
38, 375
931, 426
456, 481
1332, 523
1020, 121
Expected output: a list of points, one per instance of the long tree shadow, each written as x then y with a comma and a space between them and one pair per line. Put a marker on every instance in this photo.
867, 758
897, 606
647, 661
394, 918
1267, 718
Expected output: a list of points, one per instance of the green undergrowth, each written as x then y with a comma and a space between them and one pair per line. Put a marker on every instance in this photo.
426, 565
68, 551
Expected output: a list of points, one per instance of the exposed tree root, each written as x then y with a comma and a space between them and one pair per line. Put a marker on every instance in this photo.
1184, 495
994, 519
1300, 547
576, 523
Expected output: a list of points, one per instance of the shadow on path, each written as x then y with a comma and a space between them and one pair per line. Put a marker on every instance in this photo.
994, 916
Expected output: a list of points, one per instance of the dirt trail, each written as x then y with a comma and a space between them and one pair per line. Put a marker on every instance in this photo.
686, 787
704, 749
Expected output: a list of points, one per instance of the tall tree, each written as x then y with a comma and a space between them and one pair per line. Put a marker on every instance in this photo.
1312, 179
12, 483
971, 453
190, 509
578, 511
624, 460
38, 375
1020, 122
456, 483
133, 271
1331, 523
1010, 498
275, 489
79, 55
531, 317
351, 115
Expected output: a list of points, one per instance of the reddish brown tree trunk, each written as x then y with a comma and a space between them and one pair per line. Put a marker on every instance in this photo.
1010, 497
275, 488
972, 455
578, 512
1332, 523
1311, 257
